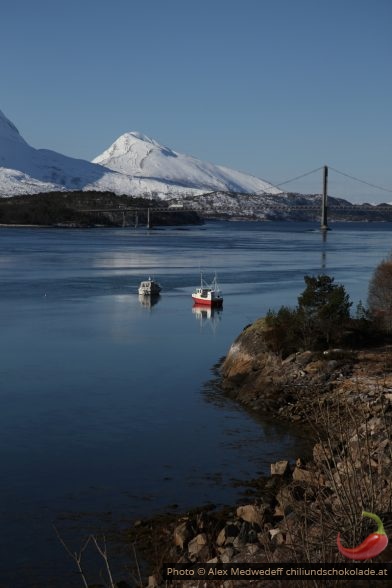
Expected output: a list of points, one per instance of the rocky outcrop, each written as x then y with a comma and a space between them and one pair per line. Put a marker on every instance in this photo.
264, 382
346, 399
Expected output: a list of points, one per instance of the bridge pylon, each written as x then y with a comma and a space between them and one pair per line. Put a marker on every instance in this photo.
324, 201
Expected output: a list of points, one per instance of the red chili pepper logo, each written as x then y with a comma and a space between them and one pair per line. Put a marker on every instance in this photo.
373, 545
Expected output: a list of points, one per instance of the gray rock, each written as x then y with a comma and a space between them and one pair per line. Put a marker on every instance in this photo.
280, 468
196, 545
251, 514
181, 534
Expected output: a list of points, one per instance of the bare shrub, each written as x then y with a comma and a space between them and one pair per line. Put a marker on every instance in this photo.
101, 548
380, 295
352, 472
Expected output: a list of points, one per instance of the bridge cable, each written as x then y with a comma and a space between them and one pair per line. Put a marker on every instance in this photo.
264, 192
361, 181
297, 177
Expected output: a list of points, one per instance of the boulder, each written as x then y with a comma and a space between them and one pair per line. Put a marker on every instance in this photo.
220, 540
251, 514
280, 468
181, 534
227, 555
197, 544
302, 475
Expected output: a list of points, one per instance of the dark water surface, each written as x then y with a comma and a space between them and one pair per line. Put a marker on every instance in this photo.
104, 403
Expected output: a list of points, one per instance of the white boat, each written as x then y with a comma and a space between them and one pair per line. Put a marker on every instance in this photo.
149, 288
208, 294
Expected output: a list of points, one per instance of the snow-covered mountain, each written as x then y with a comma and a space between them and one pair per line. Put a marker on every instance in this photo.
135, 165
139, 156
24, 169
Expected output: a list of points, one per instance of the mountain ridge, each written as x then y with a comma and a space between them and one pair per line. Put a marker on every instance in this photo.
134, 165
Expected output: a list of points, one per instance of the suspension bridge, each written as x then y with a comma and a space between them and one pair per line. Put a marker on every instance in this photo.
324, 207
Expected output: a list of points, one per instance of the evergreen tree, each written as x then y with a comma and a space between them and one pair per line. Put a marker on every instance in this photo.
323, 310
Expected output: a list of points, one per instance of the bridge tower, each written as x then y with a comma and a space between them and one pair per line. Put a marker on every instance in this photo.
324, 201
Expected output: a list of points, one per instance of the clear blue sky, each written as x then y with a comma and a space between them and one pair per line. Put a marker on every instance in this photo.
271, 87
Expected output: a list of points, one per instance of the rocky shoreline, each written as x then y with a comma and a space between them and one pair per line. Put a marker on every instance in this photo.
345, 398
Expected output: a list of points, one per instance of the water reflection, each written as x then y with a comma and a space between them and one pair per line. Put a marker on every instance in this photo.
149, 301
207, 315
323, 250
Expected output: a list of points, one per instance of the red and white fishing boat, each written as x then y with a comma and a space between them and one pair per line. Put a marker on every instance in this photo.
208, 294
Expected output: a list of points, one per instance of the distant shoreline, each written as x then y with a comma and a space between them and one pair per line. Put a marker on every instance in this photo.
89, 210
13, 226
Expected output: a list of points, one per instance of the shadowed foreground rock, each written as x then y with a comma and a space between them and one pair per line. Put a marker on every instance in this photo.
345, 399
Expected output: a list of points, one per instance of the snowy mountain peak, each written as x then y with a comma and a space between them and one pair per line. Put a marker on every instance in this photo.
141, 137
136, 155
129, 152
133, 138
8, 130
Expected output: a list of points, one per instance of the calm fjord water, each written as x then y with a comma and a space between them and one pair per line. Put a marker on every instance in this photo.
103, 399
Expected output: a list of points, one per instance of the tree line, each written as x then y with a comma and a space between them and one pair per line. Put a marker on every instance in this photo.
85, 209
323, 317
